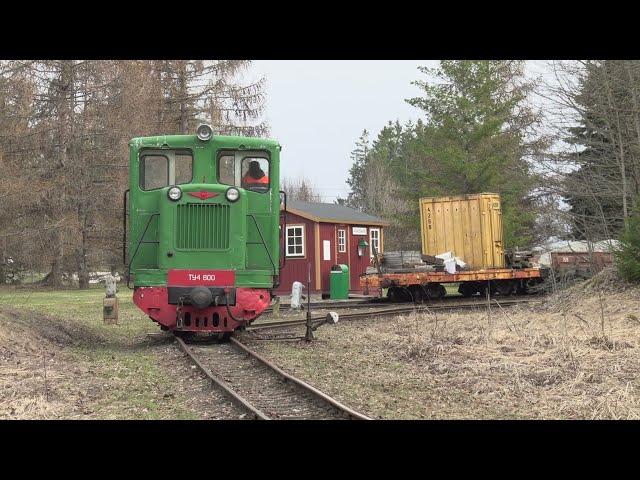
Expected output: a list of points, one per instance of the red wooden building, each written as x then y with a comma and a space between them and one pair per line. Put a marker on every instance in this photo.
322, 235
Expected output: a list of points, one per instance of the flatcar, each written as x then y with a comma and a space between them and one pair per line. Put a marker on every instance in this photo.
469, 226
202, 242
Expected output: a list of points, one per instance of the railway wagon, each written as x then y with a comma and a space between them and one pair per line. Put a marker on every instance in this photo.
203, 232
469, 226
421, 286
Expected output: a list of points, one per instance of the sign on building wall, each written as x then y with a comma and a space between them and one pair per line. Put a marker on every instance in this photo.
326, 245
359, 230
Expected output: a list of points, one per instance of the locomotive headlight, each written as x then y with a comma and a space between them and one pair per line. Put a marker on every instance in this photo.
174, 193
204, 132
232, 194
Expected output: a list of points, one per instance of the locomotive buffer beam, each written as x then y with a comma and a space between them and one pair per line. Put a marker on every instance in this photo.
182, 295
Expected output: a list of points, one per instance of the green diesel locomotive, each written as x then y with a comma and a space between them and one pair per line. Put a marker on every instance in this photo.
203, 233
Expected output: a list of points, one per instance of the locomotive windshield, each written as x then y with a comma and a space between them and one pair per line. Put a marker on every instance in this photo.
160, 169
249, 170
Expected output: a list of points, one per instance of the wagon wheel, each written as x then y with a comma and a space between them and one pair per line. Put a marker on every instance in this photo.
504, 288
467, 289
436, 291
406, 295
393, 295
417, 293
483, 289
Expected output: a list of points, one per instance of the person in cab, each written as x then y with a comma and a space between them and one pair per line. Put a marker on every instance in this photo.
255, 177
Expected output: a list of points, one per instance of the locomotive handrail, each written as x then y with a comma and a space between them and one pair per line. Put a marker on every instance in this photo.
124, 228
140, 242
275, 271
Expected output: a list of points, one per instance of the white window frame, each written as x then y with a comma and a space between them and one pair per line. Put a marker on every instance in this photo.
342, 246
371, 230
295, 255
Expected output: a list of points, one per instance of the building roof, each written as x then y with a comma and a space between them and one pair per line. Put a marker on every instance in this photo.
333, 213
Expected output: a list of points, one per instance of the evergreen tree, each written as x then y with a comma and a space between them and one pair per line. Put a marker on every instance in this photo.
604, 182
627, 253
476, 138
357, 172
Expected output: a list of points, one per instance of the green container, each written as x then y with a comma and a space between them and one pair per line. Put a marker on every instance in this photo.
339, 282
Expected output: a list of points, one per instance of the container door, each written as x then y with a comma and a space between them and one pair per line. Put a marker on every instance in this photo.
496, 226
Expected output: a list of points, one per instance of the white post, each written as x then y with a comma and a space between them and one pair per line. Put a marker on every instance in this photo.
110, 303
296, 296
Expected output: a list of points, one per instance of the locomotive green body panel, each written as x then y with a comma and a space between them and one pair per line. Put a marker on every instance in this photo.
197, 232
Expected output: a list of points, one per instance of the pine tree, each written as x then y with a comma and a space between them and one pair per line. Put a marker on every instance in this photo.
357, 172
476, 138
604, 182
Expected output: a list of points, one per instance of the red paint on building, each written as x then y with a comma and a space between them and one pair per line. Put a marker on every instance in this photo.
322, 248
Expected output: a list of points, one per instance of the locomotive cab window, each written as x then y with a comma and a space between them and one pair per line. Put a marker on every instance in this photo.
248, 170
165, 168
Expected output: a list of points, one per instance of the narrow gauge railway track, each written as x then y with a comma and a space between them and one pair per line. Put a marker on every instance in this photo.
336, 305
260, 387
381, 302
399, 310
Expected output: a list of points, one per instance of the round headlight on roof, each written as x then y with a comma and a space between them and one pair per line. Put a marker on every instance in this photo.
232, 194
204, 132
174, 193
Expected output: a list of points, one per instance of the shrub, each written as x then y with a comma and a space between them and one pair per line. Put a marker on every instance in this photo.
627, 253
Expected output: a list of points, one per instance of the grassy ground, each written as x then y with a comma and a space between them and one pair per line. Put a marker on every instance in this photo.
94, 370
574, 358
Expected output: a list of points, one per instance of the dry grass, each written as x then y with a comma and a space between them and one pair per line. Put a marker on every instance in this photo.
576, 357
93, 370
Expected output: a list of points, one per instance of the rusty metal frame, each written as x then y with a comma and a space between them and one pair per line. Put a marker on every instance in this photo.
405, 279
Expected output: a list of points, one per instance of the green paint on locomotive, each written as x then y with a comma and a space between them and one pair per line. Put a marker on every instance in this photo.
224, 237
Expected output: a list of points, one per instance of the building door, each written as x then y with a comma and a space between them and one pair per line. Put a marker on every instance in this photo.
342, 247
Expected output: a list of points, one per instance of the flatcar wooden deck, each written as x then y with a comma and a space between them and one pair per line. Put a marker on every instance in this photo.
386, 280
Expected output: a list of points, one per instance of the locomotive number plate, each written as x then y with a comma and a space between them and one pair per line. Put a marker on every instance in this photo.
209, 278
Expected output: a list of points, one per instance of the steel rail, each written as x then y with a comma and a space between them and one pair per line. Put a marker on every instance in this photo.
302, 384
387, 311
373, 302
258, 414
331, 305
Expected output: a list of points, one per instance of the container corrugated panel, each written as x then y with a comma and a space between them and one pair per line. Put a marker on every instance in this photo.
470, 226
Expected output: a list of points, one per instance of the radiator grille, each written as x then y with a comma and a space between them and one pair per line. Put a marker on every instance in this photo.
202, 227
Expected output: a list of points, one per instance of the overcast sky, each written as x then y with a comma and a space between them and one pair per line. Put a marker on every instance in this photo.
317, 109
